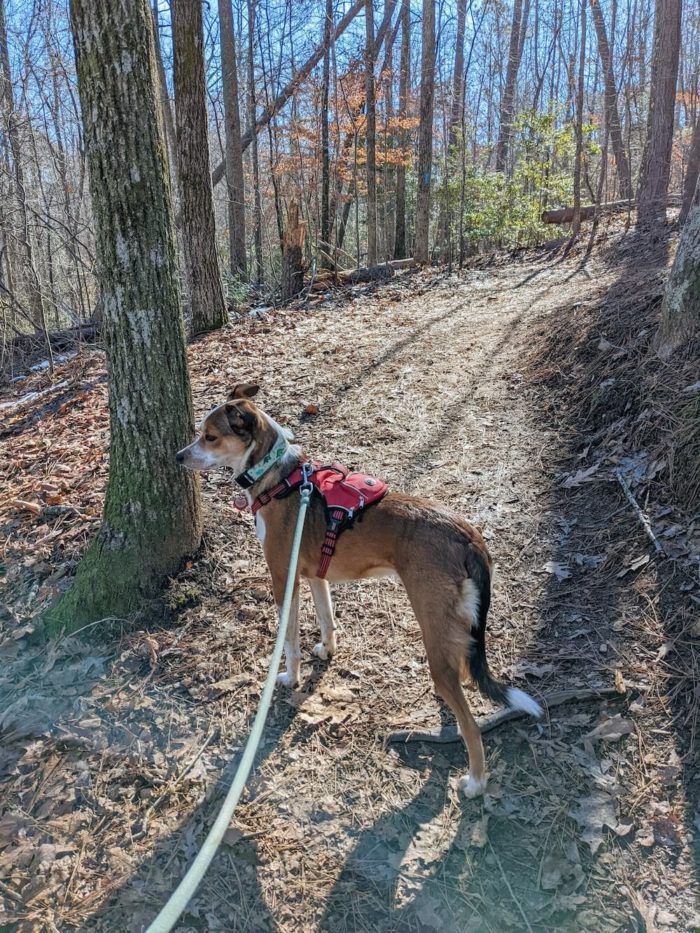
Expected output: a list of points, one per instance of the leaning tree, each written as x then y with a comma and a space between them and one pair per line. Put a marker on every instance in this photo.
151, 514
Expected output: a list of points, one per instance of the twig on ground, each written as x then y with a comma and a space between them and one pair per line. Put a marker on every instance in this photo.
487, 723
510, 890
640, 515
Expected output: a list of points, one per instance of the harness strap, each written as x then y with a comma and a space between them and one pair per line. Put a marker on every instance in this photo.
330, 541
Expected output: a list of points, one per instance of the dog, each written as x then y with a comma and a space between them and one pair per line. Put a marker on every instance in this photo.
441, 560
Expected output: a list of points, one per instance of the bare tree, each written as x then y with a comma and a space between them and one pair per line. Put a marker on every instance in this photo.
234, 153
656, 163
612, 116
425, 133
196, 206
692, 172
578, 160
151, 516
325, 139
257, 204
370, 136
507, 113
404, 135
28, 275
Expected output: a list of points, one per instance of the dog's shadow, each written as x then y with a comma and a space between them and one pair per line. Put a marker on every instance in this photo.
398, 873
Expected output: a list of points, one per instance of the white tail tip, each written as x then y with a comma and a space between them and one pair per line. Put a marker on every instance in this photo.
518, 699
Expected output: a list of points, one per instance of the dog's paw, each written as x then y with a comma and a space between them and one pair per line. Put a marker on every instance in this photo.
472, 787
322, 652
287, 679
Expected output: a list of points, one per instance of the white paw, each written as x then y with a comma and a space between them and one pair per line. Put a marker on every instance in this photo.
322, 652
471, 787
287, 679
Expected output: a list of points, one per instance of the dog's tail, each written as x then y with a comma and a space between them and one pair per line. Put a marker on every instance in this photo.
478, 665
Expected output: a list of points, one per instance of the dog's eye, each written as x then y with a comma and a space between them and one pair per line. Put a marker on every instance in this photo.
210, 438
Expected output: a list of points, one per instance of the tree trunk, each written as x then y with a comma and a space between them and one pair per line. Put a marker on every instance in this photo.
656, 163
505, 128
196, 203
151, 516
370, 136
692, 171
257, 204
680, 315
293, 254
425, 134
326, 260
458, 74
28, 275
234, 152
578, 159
612, 115
166, 109
404, 135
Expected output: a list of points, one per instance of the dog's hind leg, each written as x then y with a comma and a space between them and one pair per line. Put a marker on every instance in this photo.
321, 593
447, 684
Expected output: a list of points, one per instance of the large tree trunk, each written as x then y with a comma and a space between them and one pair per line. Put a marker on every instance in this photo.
370, 136
656, 162
234, 152
691, 192
404, 135
425, 133
257, 203
166, 109
151, 515
612, 115
505, 128
196, 203
28, 275
680, 315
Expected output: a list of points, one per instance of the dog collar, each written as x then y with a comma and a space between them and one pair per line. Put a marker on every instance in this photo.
250, 476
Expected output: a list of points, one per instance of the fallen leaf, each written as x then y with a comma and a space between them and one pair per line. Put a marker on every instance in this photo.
612, 729
582, 476
593, 814
557, 569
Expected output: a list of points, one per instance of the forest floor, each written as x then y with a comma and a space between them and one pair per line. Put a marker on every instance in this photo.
114, 751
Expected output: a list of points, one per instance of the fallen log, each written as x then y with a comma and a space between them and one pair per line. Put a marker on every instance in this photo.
380, 273
565, 215
65, 339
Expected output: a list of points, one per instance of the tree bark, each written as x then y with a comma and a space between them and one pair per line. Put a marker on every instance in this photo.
166, 109
680, 315
293, 254
425, 134
458, 74
370, 136
612, 115
206, 296
151, 515
505, 128
656, 162
404, 135
234, 152
692, 171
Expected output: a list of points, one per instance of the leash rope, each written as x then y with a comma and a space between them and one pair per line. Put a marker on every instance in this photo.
178, 900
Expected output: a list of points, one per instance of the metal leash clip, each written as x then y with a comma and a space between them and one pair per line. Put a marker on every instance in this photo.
306, 485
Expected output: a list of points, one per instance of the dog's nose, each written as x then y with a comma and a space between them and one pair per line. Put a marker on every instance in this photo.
180, 456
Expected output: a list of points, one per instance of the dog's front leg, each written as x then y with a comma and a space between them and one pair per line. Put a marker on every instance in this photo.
321, 593
292, 651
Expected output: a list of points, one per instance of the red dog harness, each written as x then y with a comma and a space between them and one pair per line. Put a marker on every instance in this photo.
345, 495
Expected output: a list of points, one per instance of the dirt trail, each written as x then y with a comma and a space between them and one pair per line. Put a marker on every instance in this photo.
587, 822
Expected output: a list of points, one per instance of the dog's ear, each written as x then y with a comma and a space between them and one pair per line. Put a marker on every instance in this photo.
243, 390
240, 418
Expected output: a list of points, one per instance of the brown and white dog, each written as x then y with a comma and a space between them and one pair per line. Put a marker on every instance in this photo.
441, 560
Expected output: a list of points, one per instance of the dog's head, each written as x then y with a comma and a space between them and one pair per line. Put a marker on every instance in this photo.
230, 434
